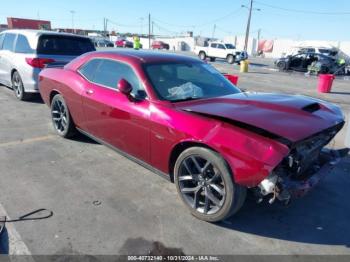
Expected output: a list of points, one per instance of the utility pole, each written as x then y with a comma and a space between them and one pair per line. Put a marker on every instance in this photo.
104, 26
248, 26
250, 8
213, 31
72, 12
149, 31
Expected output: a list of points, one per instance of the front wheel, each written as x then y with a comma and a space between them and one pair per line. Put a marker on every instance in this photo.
61, 118
281, 66
205, 184
202, 56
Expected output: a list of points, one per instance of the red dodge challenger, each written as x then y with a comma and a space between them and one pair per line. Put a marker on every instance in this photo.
181, 118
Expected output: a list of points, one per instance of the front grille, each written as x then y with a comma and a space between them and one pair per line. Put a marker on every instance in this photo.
305, 156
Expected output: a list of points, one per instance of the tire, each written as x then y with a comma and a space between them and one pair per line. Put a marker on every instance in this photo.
281, 65
212, 59
202, 55
230, 59
18, 88
61, 118
324, 70
212, 195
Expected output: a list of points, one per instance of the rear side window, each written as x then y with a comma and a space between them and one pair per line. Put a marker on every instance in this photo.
64, 45
9, 42
88, 70
214, 45
2, 36
22, 45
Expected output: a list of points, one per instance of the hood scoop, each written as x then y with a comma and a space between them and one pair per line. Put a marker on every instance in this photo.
312, 108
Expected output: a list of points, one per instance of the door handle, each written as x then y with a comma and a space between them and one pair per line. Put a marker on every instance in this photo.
89, 92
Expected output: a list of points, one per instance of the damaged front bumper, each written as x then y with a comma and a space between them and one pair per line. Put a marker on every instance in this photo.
285, 188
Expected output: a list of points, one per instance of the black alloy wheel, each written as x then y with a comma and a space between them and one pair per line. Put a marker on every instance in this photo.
61, 118
205, 185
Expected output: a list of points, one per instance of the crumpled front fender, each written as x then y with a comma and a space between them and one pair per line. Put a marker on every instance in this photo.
250, 156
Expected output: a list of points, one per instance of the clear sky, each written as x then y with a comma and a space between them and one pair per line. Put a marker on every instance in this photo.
296, 19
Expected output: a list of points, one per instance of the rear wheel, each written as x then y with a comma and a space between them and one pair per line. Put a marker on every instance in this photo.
204, 183
230, 59
324, 70
202, 56
18, 88
281, 65
61, 118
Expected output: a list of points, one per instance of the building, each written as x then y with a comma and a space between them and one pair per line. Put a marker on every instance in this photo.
20, 23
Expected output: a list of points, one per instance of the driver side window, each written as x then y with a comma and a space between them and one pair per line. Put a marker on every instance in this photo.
108, 73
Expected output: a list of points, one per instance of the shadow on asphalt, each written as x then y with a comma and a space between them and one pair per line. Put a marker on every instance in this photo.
290, 223
34, 99
321, 217
258, 65
340, 93
79, 137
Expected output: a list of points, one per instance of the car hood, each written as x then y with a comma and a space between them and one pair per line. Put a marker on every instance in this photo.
293, 117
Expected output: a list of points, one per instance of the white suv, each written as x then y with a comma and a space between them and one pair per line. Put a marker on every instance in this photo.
221, 50
23, 53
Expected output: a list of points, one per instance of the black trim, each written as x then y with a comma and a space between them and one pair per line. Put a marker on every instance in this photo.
336, 128
130, 157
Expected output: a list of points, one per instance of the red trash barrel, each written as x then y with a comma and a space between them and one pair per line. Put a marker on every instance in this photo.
325, 82
232, 78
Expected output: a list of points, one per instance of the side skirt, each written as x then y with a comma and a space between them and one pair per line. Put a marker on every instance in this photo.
130, 157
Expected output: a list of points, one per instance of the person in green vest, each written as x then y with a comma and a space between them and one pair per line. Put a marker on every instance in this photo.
137, 43
341, 62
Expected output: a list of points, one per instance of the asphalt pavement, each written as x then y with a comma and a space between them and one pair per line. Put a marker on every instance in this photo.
103, 203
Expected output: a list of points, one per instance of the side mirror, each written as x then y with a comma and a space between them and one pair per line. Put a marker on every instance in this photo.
124, 87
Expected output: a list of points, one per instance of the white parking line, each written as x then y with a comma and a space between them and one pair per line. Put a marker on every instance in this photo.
16, 245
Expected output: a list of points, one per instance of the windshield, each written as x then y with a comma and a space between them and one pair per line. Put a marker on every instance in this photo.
179, 81
229, 46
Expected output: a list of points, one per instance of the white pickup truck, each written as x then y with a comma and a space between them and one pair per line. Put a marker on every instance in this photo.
220, 50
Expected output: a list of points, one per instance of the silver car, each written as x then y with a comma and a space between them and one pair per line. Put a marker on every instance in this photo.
24, 53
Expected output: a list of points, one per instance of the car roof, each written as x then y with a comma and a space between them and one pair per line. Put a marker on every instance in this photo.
141, 56
37, 33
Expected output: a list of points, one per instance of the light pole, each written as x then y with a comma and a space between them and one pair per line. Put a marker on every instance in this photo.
72, 12
248, 23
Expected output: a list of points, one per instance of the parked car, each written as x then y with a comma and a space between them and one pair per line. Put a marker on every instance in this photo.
181, 118
302, 61
332, 52
102, 43
122, 42
160, 45
216, 50
24, 53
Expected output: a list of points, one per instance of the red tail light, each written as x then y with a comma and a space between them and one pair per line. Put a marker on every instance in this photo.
39, 62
